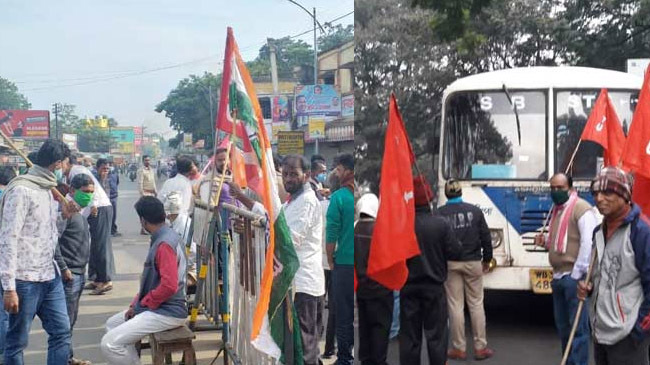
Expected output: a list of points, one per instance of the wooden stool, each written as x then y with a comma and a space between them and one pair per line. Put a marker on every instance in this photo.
166, 342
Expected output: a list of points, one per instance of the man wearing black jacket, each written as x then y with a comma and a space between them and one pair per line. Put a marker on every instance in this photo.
423, 303
374, 301
465, 281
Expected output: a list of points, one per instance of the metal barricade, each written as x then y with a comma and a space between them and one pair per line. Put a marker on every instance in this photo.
231, 261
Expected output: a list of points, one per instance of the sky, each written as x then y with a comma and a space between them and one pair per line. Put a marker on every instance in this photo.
122, 57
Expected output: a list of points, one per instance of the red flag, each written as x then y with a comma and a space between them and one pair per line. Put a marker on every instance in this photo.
641, 193
604, 128
393, 239
636, 156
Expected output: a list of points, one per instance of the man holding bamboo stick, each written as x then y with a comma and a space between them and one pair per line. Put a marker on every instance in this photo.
568, 242
31, 279
620, 287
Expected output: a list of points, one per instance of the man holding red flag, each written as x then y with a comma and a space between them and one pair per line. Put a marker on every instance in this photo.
636, 156
604, 128
396, 215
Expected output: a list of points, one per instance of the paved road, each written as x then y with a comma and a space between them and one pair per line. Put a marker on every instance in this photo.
519, 328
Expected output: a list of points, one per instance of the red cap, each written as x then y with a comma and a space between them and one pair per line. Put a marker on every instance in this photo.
422, 191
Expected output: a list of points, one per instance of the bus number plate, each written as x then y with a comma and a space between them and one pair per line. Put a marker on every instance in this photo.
540, 280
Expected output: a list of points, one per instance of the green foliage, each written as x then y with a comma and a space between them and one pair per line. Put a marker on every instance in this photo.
10, 98
188, 106
336, 36
289, 53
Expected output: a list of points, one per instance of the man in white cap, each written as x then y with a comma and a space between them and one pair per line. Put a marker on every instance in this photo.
181, 223
374, 301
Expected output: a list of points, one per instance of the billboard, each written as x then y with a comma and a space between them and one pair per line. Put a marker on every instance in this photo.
70, 139
187, 140
280, 109
317, 127
347, 106
25, 123
317, 100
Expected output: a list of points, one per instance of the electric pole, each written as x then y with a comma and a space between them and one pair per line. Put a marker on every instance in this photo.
56, 121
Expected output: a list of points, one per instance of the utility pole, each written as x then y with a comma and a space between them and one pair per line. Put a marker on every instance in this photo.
315, 53
274, 67
56, 120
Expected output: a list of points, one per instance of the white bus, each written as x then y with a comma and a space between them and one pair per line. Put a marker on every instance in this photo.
504, 133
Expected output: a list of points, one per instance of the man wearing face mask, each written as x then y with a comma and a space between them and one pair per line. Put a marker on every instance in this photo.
340, 254
101, 265
73, 250
30, 277
318, 176
305, 220
568, 242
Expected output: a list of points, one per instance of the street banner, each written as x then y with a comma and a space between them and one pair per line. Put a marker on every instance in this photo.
291, 143
604, 128
317, 127
33, 124
240, 115
280, 109
347, 106
317, 100
394, 240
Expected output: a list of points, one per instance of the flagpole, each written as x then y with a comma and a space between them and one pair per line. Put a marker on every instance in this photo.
29, 163
573, 156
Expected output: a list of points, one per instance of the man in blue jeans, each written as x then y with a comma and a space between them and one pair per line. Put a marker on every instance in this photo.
568, 242
31, 280
73, 251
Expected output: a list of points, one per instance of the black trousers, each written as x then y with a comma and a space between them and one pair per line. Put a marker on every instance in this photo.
330, 329
307, 309
375, 318
624, 352
113, 224
423, 308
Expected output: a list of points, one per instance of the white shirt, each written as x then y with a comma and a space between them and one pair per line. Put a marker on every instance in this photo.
182, 225
100, 199
28, 237
304, 216
181, 184
586, 225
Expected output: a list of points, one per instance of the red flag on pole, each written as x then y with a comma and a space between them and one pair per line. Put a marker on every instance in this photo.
604, 128
393, 239
636, 156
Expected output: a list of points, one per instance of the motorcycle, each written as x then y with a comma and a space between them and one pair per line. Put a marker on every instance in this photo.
132, 175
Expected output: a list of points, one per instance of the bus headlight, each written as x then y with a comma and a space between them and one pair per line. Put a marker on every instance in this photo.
497, 237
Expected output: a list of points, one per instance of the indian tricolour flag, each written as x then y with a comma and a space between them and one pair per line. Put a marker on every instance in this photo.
240, 114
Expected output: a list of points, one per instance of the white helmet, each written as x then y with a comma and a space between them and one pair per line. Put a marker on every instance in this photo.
368, 204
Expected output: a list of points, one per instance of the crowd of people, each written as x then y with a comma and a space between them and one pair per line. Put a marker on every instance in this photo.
456, 251
58, 219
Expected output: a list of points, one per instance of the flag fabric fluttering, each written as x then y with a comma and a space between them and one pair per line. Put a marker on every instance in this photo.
393, 239
604, 128
636, 155
274, 309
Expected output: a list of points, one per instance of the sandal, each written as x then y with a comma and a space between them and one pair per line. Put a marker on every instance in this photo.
90, 286
102, 289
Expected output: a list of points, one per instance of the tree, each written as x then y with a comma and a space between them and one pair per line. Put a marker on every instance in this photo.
10, 98
336, 36
188, 106
289, 53
395, 51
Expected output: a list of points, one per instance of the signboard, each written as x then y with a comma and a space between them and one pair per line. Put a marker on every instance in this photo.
137, 133
291, 143
187, 140
317, 100
277, 127
316, 127
280, 109
347, 106
200, 144
70, 139
25, 123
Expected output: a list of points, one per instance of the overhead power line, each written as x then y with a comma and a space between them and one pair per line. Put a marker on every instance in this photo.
110, 76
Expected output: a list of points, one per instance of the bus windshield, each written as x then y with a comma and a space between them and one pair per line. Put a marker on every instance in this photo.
481, 137
572, 109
